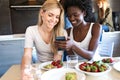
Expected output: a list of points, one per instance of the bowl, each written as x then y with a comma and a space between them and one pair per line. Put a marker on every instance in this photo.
92, 73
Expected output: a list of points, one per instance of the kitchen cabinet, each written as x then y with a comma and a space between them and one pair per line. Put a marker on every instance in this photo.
23, 14
5, 21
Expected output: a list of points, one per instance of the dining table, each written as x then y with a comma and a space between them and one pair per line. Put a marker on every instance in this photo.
14, 73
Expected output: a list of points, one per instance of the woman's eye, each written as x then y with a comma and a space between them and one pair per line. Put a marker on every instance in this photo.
50, 15
57, 17
76, 15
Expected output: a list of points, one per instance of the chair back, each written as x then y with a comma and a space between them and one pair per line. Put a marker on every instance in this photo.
106, 49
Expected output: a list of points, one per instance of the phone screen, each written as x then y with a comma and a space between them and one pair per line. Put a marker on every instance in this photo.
60, 38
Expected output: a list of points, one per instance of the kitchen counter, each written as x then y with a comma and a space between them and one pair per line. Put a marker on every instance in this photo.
11, 51
12, 37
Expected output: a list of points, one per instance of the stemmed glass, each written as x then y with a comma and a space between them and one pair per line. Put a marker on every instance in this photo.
33, 72
27, 72
36, 71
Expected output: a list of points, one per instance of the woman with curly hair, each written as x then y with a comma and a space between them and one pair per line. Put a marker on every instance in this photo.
84, 35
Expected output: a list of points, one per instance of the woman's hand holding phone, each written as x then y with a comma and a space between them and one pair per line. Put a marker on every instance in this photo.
60, 42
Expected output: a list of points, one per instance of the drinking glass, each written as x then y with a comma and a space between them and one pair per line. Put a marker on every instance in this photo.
72, 60
36, 71
27, 72
28, 69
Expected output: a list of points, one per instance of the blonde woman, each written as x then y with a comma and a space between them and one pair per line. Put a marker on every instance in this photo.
104, 14
42, 36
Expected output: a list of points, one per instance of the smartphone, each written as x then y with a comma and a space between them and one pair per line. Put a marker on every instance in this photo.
60, 38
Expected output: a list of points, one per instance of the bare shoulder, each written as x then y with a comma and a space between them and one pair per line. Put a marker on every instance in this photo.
96, 28
96, 25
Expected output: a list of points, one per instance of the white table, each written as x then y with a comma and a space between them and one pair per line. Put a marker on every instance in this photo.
14, 74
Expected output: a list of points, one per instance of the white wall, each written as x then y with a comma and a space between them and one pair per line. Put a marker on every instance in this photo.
115, 5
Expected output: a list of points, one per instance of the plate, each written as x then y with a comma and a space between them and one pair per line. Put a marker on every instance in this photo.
59, 74
92, 73
114, 60
44, 64
116, 66
109, 60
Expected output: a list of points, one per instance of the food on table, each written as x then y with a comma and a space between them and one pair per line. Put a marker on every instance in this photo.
96, 66
70, 76
57, 63
107, 60
49, 66
54, 64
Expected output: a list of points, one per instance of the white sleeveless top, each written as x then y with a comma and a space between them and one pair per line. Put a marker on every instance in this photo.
85, 43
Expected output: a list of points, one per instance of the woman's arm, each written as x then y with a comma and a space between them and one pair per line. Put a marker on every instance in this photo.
26, 60
27, 57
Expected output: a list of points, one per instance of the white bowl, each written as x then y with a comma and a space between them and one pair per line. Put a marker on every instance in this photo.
92, 73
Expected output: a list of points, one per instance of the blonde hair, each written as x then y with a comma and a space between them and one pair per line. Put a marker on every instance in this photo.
105, 2
58, 30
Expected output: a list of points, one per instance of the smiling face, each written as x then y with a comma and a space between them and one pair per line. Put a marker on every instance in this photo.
75, 15
50, 17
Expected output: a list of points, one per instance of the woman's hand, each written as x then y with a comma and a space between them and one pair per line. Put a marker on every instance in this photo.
67, 45
57, 57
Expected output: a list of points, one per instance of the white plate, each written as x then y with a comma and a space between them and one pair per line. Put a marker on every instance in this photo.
44, 64
59, 74
115, 59
116, 66
92, 73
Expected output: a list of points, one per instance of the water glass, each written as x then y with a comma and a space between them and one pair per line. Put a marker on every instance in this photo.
72, 60
36, 71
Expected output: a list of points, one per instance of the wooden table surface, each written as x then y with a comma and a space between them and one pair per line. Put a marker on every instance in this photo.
14, 74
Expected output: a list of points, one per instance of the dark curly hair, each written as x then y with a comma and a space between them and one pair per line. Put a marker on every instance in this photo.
84, 5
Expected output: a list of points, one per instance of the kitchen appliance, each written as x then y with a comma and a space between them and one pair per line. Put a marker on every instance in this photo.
24, 13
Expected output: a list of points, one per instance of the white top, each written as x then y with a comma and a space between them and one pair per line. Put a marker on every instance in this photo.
33, 38
85, 43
